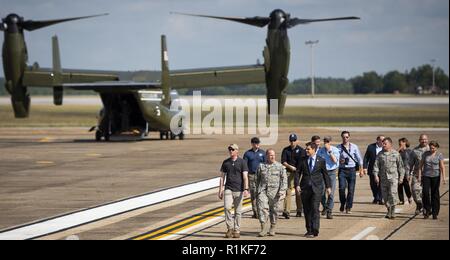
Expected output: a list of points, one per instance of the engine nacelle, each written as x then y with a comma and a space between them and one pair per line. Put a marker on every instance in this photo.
20, 100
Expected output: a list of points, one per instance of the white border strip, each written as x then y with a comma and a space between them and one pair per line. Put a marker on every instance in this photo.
364, 233
90, 215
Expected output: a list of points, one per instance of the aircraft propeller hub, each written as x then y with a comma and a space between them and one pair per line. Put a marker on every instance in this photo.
12, 19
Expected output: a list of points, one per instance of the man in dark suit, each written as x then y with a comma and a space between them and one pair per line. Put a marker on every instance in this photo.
369, 162
311, 179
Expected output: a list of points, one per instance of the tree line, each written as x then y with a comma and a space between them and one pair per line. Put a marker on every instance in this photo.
407, 82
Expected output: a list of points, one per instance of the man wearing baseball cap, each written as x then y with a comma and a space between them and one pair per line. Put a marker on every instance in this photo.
254, 157
233, 188
290, 158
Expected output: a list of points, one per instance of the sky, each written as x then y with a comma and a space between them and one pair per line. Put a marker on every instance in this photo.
391, 35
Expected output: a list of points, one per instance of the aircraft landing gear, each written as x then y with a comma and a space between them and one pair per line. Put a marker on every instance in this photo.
169, 135
164, 135
98, 136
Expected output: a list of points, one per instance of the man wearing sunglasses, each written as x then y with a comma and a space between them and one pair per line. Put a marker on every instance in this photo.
350, 162
233, 188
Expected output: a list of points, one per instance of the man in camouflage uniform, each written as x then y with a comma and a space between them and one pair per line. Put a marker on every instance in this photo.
416, 185
271, 187
389, 171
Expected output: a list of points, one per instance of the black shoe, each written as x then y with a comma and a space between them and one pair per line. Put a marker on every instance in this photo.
435, 217
286, 215
310, 235
299, 215
418, 209
307, 234
329, 215
380, 202
324, 212
375, 201
342, 208
254, 216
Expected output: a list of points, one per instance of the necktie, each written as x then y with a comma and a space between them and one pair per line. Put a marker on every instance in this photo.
311, 160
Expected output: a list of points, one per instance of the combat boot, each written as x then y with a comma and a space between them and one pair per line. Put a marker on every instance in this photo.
229, 234
264, 230
388, 215
418, 208
392, 212
272, 230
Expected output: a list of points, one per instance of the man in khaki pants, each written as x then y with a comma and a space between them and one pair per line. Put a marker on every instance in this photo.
254, 157
232, 189
290, 158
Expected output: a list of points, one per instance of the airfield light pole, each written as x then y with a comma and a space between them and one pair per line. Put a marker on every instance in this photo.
434, 75
311, 44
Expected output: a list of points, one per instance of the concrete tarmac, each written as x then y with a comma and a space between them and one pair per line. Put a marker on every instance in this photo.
292, 101
47, 172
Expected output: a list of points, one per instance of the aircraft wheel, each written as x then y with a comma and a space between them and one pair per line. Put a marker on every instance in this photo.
98, 136
164, 135
107, 136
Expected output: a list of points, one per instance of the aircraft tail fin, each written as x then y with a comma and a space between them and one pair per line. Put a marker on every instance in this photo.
57, 73
165, 73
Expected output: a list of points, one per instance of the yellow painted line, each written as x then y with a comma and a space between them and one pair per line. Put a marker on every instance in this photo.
187, 226
93, 154
180, 226
46, 140
177, 224
45, 162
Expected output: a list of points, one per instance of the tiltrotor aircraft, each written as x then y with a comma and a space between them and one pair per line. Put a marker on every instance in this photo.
143, 100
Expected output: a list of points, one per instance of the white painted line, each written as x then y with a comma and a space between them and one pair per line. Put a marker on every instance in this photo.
86, 216
206, 224
364, 233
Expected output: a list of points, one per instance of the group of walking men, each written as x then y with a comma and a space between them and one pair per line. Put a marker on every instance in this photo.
312, 173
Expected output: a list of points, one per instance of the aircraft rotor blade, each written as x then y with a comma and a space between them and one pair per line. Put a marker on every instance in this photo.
296, 21
31, 25
254, 21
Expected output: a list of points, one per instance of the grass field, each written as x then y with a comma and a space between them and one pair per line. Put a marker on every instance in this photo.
51, 116
422, 116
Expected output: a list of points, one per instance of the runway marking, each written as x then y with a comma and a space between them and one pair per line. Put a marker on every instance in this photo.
397, 211
45, 162
407, 221
46, 140
93, 154
173, 230
364, 233
61, 223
